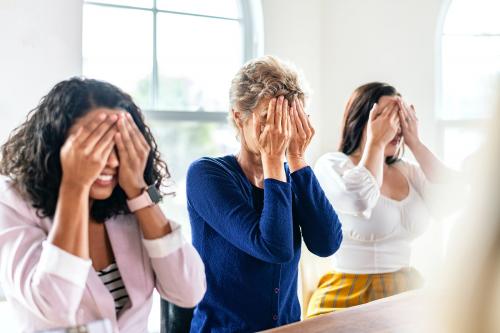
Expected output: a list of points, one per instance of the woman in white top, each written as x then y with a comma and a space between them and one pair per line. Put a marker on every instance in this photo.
384, 202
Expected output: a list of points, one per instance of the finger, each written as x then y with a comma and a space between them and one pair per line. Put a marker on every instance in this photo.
286, 125
100, 147
285, 116
303, 119
311, 128
402, 115
293, 123
92, 140
374, 113
107, 149
88, 126
122, 150
278, 113
125, 135
271, 112
300, 127
412, 112
136, 135
386, 110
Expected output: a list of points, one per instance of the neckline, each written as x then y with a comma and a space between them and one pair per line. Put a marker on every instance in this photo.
240, 170
389, 199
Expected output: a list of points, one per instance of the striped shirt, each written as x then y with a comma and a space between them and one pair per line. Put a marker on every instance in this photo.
112, 279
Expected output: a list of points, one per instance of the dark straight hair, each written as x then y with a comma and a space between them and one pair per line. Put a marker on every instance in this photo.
356, 116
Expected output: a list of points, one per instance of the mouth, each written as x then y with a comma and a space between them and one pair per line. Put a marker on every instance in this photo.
105, 180
396, 141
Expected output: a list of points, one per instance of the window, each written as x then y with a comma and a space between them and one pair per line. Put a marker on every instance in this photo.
176, 58
470, 75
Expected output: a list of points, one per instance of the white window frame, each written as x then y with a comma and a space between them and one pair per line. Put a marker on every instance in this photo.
252, 30
442, 124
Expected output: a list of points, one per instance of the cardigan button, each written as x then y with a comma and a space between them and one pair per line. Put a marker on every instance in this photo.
275, 317
276, 290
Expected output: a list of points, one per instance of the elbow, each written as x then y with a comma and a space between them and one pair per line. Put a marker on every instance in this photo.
192, 299
328, 246
280, 255
284, 258
190, 294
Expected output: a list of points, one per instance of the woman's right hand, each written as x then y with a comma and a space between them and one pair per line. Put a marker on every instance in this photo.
274, 137
383, 125
86, 150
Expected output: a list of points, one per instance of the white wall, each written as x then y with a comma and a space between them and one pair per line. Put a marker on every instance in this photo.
293, 31
40, 45
341, 44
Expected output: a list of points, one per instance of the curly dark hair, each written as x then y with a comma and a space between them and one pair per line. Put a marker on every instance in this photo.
357, 113
31, 155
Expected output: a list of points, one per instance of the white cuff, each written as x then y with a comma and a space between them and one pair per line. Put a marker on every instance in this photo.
67, 266
162, 247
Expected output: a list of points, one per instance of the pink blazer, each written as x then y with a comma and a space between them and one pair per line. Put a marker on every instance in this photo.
51, 288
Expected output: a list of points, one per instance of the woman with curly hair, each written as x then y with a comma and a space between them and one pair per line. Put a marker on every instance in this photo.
81, 235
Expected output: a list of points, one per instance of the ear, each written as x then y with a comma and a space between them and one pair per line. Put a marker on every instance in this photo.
237, 117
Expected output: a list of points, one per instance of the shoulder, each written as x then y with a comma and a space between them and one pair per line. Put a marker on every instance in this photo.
11, 199
215, 169
224, 164
336, 161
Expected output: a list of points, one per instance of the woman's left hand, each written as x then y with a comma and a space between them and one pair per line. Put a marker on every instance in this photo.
302, 133
133, 152
409, 124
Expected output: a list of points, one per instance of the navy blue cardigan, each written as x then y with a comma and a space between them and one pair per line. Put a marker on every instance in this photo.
251, 249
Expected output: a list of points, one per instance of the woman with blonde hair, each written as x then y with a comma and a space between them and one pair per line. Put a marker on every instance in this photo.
250, 212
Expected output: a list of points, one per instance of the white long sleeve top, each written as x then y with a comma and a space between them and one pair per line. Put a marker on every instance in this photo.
377, 230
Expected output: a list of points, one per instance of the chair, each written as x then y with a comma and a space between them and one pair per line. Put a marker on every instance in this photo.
175, 319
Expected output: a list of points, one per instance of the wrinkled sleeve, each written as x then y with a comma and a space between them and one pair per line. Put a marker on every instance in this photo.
350, 189
220, 201
179, 270
47, 280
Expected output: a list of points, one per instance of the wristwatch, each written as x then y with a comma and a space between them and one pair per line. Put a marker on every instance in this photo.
150, 196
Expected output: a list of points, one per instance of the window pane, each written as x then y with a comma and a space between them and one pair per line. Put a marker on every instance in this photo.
461, 143
133, 3
181, 143
471, 76
117, 47
222, 8
197, 58
473, 17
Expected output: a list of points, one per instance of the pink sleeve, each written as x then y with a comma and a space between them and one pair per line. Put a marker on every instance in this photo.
46, 280
179, 270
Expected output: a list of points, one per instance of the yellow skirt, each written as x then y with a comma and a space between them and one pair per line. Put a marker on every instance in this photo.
338, 291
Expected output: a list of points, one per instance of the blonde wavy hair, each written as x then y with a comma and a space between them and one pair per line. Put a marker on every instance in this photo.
262, 78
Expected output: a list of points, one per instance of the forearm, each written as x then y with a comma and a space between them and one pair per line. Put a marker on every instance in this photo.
373, 160
273, 168
435, 171
296, 164
71, 220
153, 223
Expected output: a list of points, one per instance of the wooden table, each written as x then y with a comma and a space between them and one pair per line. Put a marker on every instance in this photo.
400, 313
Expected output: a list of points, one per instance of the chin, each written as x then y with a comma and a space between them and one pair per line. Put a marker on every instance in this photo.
100, 194
390, 151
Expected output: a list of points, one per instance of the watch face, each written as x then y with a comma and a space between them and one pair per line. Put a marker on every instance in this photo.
154, 194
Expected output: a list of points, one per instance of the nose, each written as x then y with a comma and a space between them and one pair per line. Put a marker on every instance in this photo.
113, 162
